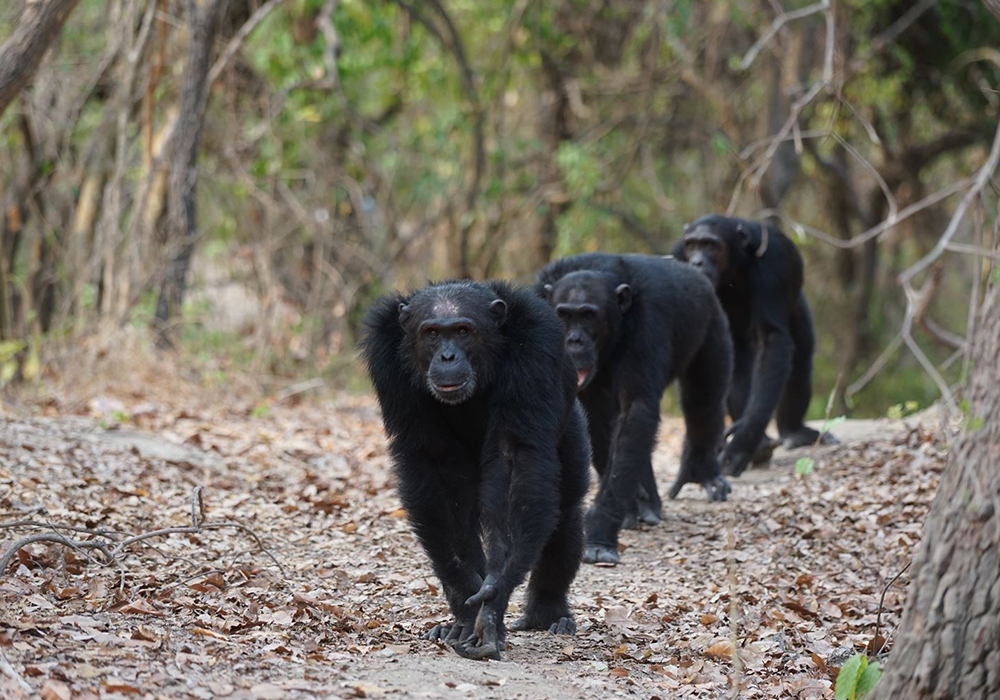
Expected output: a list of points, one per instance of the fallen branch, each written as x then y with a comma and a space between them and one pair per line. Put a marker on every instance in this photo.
113, 556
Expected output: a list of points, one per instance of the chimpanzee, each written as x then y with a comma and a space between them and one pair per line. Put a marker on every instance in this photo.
757, 274
633, 323
478, 399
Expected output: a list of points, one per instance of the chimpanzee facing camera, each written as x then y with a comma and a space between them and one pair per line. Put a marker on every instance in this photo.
633, 324
478, 398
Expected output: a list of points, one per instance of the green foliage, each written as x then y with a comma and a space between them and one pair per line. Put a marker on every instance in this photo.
856, 678
901, 410
804, 467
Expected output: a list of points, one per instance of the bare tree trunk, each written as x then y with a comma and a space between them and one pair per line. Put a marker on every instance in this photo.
994, 7
949, 641
182, 219
19, 57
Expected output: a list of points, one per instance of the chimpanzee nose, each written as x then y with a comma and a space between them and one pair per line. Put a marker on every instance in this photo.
574, 339
447, 355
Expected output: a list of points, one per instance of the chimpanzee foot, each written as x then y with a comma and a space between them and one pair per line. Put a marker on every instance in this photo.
648, 513
565, 625
448, 634
765, 450
630, 522
600, 554
805, 436
543, 613
717, 489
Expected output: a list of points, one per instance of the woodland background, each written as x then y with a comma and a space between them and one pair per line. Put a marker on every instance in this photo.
346, 147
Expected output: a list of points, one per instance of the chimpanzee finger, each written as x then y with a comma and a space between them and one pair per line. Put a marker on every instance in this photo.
486, 592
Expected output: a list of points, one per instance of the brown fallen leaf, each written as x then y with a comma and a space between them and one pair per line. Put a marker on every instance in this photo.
113, 685
55, 690
722, 649
619, 672
708, 619
140, 606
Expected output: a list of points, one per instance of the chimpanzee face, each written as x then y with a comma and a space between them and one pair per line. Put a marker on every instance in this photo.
707, 246
454, 335
590, 306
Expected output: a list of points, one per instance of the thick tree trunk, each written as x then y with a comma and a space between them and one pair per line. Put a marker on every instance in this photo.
949, 641
20, 55
182, 219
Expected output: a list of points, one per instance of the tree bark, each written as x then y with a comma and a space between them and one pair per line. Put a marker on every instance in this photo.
949, 640
23, 52
182, 218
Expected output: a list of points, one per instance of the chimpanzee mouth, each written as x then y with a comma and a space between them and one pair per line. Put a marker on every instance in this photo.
449, 388
453, 393
582, 378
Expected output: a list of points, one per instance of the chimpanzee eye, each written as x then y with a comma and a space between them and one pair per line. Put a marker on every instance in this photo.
590, 314
562, 313
432, 333
463, 332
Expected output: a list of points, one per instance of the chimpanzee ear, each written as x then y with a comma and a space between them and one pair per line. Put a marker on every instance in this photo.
687, 228
624, 294
548, 292
745, 238
404, 313
498, 309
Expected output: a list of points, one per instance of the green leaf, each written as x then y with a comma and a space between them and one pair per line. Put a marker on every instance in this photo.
869, 677
847, 679
832, 423
805, 466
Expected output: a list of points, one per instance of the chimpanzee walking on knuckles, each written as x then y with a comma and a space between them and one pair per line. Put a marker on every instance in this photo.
478, 399
633, 324
757, 273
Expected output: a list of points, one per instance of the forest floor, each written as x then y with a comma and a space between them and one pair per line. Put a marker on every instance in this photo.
333, 599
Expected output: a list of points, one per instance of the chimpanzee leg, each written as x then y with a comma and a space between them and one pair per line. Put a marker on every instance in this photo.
547, 606
798, 389
744, 353
632, 446
647, 507
704, 384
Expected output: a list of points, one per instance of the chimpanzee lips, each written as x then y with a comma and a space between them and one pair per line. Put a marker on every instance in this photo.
581, 377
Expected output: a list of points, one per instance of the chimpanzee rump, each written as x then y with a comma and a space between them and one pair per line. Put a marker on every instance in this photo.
757, 273
633, 324
488, 441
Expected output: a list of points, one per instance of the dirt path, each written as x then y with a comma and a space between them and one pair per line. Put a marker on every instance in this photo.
210, 615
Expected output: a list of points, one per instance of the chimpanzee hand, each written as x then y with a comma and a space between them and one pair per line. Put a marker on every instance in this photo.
717, 489
486, 638
743, 437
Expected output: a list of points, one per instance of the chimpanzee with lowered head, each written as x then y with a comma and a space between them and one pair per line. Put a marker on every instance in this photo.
633, 324
478, 399
757, 274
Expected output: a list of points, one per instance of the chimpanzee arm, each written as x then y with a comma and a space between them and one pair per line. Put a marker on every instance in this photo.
519, 509
443, 518
773, 365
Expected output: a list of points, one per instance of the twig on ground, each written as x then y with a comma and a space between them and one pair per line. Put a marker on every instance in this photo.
113, 556
881, 601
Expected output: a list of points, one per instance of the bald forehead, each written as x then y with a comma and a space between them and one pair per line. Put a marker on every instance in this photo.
581, 288
452, 301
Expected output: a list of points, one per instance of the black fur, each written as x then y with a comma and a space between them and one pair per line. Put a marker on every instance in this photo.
758, 275
508, 464
634, 323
